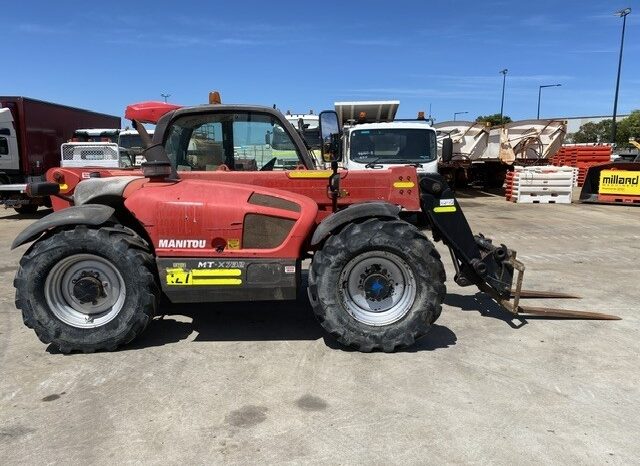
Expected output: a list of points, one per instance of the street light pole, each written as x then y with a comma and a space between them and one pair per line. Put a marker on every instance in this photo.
165, 97
540, 92
504, 78
622, 13
458, 113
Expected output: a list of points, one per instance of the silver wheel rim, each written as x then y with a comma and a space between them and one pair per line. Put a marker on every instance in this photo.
73, 307
377, 288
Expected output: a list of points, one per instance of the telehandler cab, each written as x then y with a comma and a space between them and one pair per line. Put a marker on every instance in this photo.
210, 219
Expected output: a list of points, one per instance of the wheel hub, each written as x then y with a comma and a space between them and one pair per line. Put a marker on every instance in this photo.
377, 287
88, 288
85, 290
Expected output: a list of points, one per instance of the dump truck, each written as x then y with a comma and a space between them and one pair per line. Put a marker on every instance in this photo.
120, 240
31, 132
482, 155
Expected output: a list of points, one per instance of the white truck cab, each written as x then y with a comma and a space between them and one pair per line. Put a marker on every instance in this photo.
373, 139
384, 145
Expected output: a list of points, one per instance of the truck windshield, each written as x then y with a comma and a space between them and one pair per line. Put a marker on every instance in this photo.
129, 141
392, 145
101, 137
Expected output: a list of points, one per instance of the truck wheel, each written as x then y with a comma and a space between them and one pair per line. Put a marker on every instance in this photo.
26, 209
377, 285
87, 289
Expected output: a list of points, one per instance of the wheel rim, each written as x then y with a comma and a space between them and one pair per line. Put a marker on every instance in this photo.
377, 288
85, 290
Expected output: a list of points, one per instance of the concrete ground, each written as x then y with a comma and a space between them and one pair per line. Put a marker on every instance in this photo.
260, 383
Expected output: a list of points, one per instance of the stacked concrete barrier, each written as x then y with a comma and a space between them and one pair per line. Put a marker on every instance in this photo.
540, 185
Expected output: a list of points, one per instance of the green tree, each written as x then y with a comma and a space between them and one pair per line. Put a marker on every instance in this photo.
628, 128
593, 132
494, 119
601, 131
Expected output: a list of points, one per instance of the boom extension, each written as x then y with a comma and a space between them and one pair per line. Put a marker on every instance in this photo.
479, 262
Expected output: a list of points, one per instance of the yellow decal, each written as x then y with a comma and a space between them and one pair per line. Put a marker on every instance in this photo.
309, 174
449, 208
404, 184
64, 187
619, 182
233, 243
180, 276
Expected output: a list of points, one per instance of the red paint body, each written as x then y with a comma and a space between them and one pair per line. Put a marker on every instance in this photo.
215, 213
356, 186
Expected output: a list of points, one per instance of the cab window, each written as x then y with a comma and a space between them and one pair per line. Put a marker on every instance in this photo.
234, 141
4, 146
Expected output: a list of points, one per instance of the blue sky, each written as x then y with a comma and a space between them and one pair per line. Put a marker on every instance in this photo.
302, 55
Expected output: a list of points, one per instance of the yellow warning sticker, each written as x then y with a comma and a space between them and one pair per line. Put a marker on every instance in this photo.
233, 243
619, 182
180, 276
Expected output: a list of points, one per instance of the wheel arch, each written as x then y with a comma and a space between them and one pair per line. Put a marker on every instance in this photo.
361, 211
88, 214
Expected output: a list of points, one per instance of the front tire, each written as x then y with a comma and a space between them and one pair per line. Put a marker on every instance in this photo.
87, 289
377, 285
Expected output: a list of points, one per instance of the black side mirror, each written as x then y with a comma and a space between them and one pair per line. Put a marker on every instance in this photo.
330, 136
447, 150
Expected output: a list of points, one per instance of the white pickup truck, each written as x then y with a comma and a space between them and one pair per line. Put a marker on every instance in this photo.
97, 147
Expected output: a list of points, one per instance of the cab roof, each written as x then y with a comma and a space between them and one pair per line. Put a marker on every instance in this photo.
417, 124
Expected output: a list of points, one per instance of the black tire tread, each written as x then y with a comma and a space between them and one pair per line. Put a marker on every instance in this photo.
26, 209
387, 234
123, 239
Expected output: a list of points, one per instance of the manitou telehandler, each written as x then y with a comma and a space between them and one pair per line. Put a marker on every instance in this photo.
209, 219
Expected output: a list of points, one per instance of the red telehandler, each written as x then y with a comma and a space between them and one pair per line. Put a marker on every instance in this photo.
234, 228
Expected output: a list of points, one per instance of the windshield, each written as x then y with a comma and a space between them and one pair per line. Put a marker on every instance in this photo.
83, 136
130, 140
392, 145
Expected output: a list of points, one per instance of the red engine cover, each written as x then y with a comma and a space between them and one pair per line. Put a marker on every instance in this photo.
192, 218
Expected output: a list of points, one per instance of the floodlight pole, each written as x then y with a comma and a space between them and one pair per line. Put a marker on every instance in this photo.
458, 113
504, 79
540, 92
614, 127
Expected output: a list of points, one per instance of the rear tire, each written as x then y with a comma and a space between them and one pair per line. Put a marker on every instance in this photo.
377, 285
87, 289
26, 209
